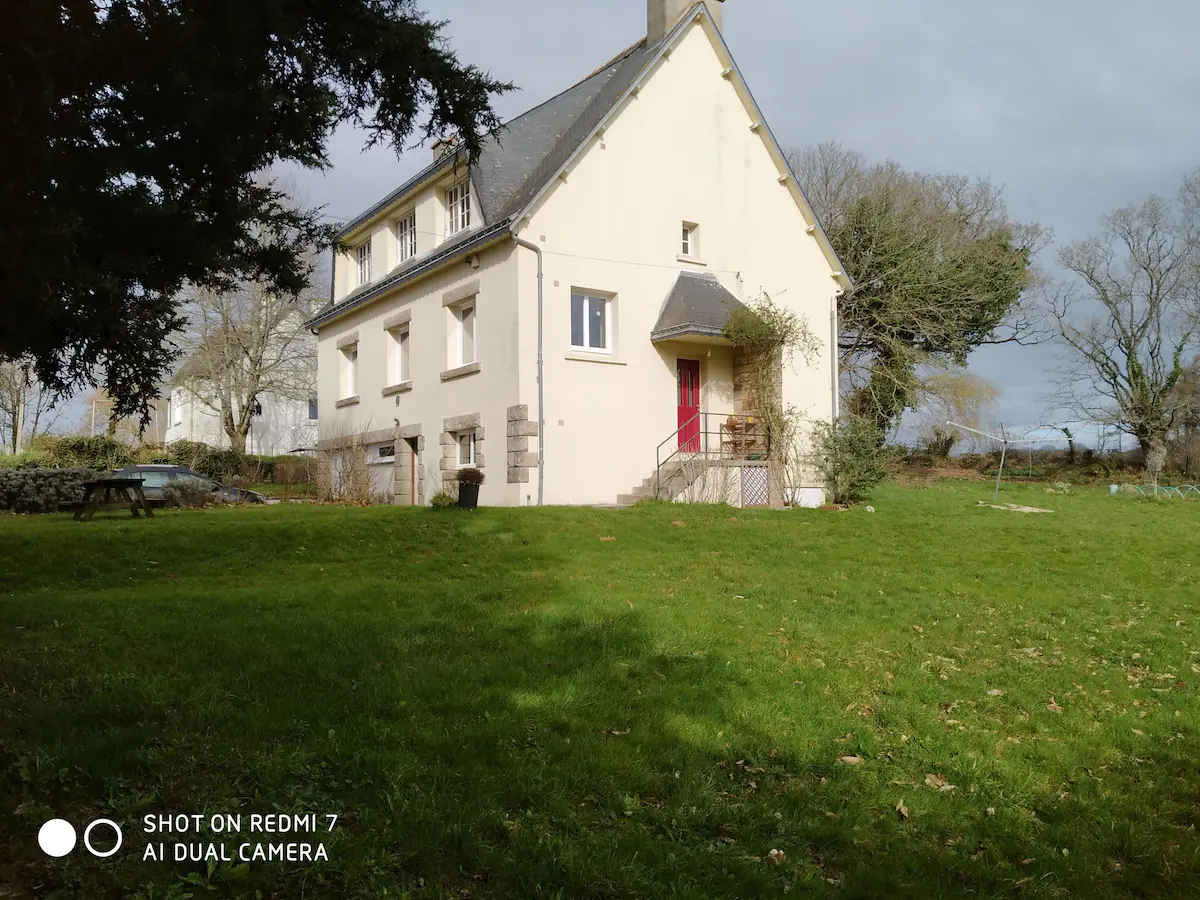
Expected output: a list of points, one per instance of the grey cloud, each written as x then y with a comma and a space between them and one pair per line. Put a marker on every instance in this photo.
1075, 106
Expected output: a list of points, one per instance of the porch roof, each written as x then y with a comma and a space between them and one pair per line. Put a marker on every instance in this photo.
697, 306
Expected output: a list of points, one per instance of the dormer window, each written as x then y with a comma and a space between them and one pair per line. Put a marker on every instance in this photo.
458, 208
364, 262
406, 237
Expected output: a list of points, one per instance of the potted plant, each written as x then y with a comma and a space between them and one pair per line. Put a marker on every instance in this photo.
469, 480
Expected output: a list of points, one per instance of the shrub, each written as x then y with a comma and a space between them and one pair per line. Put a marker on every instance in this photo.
98, 452
470, 476
189, 493
212, 462
36, 490
28, 459
443, 499
848, 455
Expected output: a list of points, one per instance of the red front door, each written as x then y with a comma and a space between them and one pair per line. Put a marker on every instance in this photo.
689, 404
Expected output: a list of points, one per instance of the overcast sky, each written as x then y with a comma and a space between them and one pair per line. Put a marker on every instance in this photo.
1075, 106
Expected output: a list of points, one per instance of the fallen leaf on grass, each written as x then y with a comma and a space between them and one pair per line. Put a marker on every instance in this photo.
607, 537
995, 692
918, 629
902, 809
630, 602
938, 783
991, 810
830, 815
1138, 731
1053, 707
776, 856
1027, 861
614, 732
679, 523
850, 760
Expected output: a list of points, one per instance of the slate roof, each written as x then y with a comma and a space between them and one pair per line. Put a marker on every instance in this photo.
698, 304
515, 164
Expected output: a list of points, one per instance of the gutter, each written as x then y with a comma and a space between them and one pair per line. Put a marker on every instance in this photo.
540, 381
427, 265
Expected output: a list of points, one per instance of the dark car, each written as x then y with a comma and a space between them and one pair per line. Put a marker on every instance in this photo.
156, 477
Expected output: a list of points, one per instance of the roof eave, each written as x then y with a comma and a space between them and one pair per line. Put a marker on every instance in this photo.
689, 328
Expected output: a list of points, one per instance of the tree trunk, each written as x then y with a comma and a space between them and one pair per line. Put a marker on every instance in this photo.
1154, 453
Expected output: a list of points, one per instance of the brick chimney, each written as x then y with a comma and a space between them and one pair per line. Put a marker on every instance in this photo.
442, 146
661, 15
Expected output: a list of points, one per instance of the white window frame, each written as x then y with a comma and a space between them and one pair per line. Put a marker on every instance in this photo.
588, 299
406, 237
350, 369
689, 239
400, 338
364, 262
379, 457
460, 334
469, 438
458, 207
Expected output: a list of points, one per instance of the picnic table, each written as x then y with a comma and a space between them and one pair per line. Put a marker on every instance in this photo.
110, 494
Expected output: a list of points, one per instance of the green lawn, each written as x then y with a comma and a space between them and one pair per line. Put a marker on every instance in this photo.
584, 703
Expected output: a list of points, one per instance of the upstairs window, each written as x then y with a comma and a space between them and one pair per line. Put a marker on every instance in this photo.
350, 371
406, 237
364, 262
689, 239
464, 323
458, 208
399, 355
591, 323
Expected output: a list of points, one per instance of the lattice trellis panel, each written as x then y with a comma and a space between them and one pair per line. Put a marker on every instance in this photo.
756, 486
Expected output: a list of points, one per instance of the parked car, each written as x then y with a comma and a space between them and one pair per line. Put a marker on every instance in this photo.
155, 479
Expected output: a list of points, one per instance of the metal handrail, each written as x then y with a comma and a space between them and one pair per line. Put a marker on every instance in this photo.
725, 436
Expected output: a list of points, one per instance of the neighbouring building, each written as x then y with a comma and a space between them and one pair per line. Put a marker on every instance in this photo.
279, 425
553, 313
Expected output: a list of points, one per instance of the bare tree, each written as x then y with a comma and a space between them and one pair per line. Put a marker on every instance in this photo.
939, 269
1129, 317
26, 408
244, 344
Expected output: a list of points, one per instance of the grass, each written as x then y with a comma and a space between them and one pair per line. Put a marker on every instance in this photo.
283, 491
586, 703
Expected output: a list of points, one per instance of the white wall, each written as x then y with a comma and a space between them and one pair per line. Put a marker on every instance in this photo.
681, 150
488, 392
283, 427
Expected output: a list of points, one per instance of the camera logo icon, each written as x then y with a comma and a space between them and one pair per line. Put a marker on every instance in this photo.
57, 838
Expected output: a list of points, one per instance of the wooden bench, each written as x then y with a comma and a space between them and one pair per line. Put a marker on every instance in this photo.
110, 494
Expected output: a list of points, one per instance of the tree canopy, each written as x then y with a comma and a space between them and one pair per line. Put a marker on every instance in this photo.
939, 269
1129, 319
133, 147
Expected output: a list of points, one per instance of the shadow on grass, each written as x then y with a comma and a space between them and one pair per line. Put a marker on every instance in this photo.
486, 720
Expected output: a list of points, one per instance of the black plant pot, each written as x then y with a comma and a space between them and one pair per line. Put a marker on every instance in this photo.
468, 496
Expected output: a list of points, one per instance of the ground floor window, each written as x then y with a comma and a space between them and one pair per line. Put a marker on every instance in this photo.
466, 449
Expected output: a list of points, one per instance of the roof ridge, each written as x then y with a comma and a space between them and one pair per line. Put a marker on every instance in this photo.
612, 62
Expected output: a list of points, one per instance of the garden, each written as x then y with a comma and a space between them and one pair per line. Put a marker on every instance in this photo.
930, 699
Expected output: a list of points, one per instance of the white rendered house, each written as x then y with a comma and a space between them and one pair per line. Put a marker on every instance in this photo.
553, 313
279, 425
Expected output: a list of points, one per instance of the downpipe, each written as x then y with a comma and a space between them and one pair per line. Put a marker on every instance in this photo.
541, 400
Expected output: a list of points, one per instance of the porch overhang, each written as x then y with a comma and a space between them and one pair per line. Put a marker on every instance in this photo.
692, 333
696, 311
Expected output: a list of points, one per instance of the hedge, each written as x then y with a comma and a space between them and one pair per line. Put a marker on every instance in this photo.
37, 490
